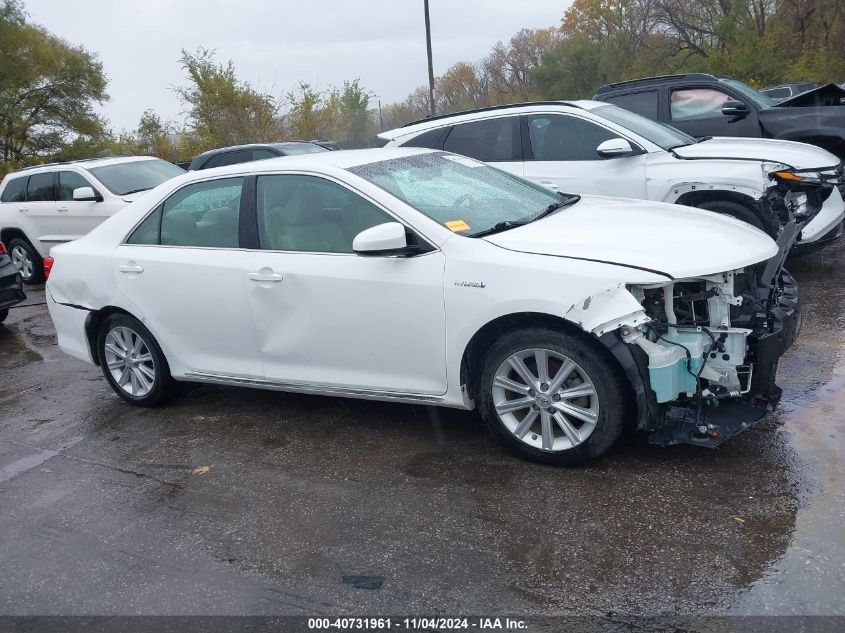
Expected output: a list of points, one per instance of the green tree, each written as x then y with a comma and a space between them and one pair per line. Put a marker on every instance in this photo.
48, 89
223, 110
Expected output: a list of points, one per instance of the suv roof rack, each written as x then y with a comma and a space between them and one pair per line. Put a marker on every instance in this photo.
490, 108
645, 81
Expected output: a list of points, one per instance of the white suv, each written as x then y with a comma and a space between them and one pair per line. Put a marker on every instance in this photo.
597, 148
50, 204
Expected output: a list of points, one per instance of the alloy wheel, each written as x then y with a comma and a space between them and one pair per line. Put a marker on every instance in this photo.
23, 262
545, 399
129, 361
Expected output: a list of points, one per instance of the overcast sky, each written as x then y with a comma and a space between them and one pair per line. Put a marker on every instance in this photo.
275, 43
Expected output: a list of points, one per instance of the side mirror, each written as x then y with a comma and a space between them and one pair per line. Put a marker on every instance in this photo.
734, 108
616, 148
383, 239
85, 194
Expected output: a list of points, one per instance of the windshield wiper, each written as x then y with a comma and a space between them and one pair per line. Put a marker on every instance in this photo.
555, 206
126, 193
499, 227
511, 224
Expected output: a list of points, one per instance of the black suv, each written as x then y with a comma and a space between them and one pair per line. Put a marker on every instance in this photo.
11, 284
247, 153
709, 105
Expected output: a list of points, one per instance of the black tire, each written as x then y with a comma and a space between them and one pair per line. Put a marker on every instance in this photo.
609, 386
4, 314
37, 276
160, 389
735, 210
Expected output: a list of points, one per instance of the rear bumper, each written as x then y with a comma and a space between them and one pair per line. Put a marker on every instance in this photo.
11, 285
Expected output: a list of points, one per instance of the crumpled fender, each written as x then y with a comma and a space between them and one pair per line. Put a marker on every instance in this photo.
607, 311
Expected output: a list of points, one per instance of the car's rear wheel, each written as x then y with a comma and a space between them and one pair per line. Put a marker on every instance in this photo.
27, 261
733, 209
551, 398
132, 361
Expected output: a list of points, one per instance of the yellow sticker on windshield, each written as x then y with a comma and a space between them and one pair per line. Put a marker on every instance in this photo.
457, 226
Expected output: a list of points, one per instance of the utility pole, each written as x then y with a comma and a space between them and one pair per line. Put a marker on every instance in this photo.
430, 65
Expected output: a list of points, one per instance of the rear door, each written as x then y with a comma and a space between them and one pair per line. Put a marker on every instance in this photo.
182, 269
561, 154
47, 224
698, 112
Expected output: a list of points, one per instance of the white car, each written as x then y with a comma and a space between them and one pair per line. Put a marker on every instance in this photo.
51, 204
597, 148
431, 278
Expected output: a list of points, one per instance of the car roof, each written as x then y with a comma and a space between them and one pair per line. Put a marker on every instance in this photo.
483, 113
658, 80
319, 161
234, 148
88, 163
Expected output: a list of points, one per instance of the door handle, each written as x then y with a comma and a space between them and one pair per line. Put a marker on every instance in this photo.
549, 184
274, 277
62, 209
130, 268
23, 210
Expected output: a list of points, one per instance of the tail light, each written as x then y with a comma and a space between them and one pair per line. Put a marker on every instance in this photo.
48, 266
2, 248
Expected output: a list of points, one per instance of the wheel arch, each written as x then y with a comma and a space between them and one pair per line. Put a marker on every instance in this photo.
475, 349
753, 205
93, 322
9, 233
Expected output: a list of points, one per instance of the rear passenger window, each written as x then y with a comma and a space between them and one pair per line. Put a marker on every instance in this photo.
693, 104
203, 214
490, 141
68, 181
147, 231
643, 103
40, 188
562, 137
15, 190
433, 139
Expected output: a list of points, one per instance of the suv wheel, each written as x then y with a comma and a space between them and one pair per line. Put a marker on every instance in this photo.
132, 361
551, 398
27, 261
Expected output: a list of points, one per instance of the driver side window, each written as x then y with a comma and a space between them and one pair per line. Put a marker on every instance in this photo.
311, 214
693, 104
562, 137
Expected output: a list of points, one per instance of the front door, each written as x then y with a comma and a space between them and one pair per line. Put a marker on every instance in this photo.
327, 317
79, 217
698, 112
563, 156
182, 271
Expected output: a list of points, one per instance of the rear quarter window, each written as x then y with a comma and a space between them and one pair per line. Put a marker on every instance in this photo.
15, 190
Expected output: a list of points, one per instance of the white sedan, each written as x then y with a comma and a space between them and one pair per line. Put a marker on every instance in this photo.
425, 277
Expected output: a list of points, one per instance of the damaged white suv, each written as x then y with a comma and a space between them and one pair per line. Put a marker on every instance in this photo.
597, 148
426, 277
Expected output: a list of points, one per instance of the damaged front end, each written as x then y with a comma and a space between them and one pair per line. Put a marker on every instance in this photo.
703, 352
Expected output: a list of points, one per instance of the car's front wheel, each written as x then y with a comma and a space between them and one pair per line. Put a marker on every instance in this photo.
550, 397
132, 361
27, 261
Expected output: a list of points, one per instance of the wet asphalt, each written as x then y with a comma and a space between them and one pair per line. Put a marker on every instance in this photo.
237, 501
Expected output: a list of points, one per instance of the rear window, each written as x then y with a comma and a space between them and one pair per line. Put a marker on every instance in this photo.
40, 188
15, 190
643, 103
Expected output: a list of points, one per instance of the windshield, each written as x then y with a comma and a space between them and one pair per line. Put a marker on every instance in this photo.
747, 91
664, 136
462, 194
137, 175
